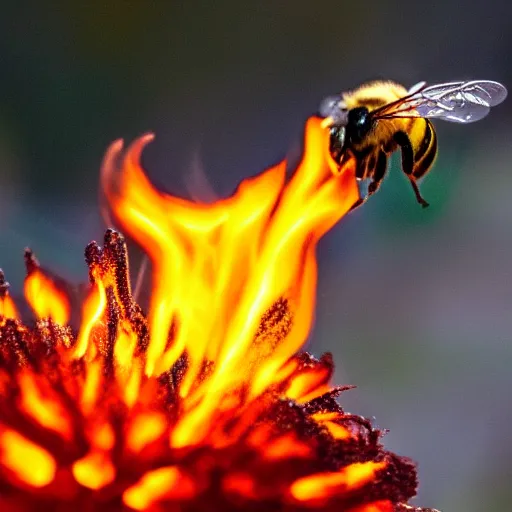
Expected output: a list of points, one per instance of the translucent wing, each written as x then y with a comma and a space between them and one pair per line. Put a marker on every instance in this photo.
416, 87
460, 102
483, 92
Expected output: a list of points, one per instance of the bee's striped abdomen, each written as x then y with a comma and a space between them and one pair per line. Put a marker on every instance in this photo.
426, 153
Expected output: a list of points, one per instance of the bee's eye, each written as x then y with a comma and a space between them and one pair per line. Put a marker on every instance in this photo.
359, 117
359, 123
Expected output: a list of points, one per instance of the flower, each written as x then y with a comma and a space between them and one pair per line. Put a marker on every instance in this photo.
204, 403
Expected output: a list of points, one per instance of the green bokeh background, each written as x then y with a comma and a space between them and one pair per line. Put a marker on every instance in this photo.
415, 304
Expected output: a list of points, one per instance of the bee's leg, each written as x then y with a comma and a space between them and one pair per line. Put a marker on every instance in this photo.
361, 169
420, 199
408, 164
379, 172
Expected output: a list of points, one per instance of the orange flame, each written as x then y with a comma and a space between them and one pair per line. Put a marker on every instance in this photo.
323, 485
29, 462
94, 471
145, 429
7, 307
45, 410
205, 396
239, 255
45, 298
92, 309
167, 481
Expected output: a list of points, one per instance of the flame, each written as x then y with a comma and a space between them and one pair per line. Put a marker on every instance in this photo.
92, 310
45, 410
242, 254
326, 484
154, 485
30, 463
45, 298
8, 308
204, 400
145, 429
94, 471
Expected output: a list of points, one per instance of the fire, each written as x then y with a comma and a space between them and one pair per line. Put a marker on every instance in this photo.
31, 463
323, 485
42, 294
251, 250
203, 403
7, 307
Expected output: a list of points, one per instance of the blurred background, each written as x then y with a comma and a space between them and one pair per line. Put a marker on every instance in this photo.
415, 304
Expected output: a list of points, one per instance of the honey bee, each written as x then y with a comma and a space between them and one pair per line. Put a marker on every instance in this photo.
378, 118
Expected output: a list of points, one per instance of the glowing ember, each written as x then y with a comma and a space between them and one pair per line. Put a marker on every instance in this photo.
203, 404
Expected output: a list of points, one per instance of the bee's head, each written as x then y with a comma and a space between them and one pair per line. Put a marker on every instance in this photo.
359, 124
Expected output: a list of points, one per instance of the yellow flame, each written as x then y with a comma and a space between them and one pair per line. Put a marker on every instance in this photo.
126, 341
144, 429
328, 420
7, 307
91, 386
47, 411
238, 256
154, 485
92, 310
30, 462
326, 484
94, 471
45, 298
232, 301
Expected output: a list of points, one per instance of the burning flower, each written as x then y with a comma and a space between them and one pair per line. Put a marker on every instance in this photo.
203, 403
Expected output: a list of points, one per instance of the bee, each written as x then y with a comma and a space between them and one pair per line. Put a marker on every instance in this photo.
378, 118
